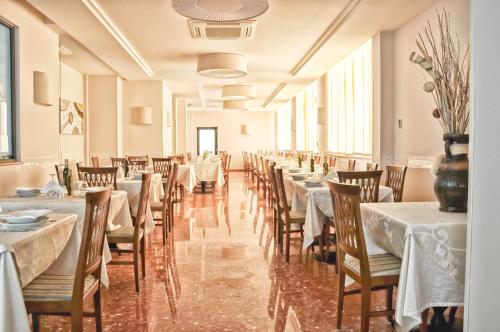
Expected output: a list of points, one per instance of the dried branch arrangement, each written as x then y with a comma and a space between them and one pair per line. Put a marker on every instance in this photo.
449, 72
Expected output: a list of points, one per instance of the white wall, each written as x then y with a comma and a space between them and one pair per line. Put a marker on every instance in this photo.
229, 130
39, 125
72, 146
483, 269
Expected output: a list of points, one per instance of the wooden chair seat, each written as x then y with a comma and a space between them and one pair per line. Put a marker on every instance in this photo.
55, 288
124, 234
156, 206
297, 217
380, 265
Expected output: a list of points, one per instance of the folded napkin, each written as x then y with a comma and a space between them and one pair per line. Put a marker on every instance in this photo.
332, 175
53, 190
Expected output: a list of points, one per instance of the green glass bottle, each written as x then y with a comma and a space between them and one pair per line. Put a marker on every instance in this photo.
300, 161
311, 163
325, 165
126, 168
66, 179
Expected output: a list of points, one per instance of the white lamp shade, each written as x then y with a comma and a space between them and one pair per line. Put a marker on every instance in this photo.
220, 10
235, 105
246, 130
42, 88
222, 65
238, 92
142, 115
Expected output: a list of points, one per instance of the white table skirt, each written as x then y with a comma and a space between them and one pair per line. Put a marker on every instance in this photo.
432, 246
34, 252
119, 215
133, 189
187, 177
317, 204
208, 171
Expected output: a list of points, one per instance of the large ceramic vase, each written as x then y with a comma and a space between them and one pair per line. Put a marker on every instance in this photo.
451, 185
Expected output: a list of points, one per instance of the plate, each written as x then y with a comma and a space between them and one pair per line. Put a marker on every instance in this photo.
313, 184
25, 216
93, 189
298, 177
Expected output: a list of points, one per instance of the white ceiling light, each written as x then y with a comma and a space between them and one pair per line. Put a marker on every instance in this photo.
238, 92
235, 105
220, 10
222, 65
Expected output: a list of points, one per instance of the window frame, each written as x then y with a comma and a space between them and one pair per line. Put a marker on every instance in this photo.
14, 109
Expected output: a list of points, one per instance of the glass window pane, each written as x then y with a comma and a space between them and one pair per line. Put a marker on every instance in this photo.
5, 93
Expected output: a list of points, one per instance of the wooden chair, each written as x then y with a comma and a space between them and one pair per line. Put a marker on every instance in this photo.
118, 162
351, 165
395, 179
65, 295
162, 166
226, 172
134, 234
180, 159
139, 165
79, 165
369, 181
259, 176
95, 161
274, 201
166, 205
374, 272
371, 166
286, 218
138, 158
99, 176
265, 178
189, 156
169, 197
59, 173
332, 161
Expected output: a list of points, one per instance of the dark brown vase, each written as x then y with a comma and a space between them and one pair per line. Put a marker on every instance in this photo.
451, 185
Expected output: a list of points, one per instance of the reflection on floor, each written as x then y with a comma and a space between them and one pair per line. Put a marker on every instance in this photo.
219, 272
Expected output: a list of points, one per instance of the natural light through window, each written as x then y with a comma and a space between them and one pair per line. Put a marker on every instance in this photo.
284, 120
350, 120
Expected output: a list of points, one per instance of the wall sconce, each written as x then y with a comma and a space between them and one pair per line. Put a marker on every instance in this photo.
246, 130
42, 88
142, 115
169, 119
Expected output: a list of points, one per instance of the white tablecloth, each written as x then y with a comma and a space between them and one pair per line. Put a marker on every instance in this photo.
187, 177
119, 215
208, 171
34, 252
133, 189
317, 204
432, 246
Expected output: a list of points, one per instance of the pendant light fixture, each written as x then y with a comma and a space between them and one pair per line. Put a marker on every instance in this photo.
238, 92
220, 10
222, 65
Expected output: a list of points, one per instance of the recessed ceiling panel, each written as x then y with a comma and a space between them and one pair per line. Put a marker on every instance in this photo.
220, 10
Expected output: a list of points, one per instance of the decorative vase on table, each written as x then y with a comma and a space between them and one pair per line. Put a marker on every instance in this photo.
452, 177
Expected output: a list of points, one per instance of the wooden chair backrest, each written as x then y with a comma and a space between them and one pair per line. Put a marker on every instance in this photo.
162, 166
99, 176
118, 162
351, 166
371, 166
95, 161
282, 199
59, 173
91, 247
228, 163
172, 182
273, 183
348, 223
369, 182
139, 165
138, 158
395, 179
140, 218
332, 161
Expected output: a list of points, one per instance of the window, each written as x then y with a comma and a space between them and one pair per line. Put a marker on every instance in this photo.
284, 122
7, 93
300, 123
350, 120
307, 118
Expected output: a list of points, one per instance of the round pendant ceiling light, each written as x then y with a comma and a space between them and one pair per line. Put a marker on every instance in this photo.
235, 105
222, 65
220, 10
238, 92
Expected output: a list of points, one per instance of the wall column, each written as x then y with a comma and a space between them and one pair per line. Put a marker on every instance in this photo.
180, 125
293, 124
323, 107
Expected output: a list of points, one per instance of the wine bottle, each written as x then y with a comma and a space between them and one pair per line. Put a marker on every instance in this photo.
68, 183
311, 163
325, 165
66, 174
126, 167
300, 161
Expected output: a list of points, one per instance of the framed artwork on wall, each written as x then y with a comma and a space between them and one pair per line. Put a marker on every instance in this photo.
71, 117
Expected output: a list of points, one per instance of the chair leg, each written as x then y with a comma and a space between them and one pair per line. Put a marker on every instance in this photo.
453, 311
287, 242
280, 231
97, 310
136, 265
35, 320
425, 318
365, 307
164, 227
143, 257
388, 296
77, 321
340, 305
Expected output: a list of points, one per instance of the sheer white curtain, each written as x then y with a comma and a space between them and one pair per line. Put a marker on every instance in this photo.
311, 114
284, 123
300, 122
351, 110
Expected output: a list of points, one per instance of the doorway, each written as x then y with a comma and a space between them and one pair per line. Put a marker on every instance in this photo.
207, 140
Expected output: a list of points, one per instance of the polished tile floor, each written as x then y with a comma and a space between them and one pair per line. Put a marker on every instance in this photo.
219, 272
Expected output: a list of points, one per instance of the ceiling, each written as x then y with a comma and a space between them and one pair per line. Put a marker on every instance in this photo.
296, 41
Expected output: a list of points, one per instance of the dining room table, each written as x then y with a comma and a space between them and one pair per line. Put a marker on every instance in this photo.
118, 216
208, 170
25, 254
432, 248
186, 176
